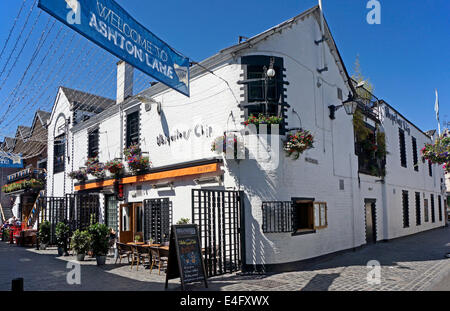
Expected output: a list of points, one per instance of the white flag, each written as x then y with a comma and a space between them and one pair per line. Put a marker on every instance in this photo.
436, 108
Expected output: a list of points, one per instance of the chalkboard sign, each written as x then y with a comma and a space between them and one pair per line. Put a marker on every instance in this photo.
185, 256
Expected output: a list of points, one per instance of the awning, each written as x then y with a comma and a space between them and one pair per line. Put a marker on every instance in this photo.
172, 171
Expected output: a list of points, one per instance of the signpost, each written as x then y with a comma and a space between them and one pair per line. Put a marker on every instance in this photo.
185, 256
10, 160
108, 25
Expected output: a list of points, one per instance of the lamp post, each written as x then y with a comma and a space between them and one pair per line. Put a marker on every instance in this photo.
350, 105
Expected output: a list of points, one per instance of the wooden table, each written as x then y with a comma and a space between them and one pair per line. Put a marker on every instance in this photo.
135, 243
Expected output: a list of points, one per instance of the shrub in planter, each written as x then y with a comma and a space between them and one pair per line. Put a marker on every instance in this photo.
95, 168
80, 243
79, 175
297, 143
5, 234
44, 234
183, 221
99, 241
62, 232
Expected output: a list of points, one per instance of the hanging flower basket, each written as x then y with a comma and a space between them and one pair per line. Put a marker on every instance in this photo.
136, 162
263, 119
226, 145
79, 175
23, 184
439, 152
95, 168
115, 167
297, 143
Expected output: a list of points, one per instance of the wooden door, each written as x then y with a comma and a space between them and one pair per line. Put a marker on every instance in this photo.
126, 223
138, 220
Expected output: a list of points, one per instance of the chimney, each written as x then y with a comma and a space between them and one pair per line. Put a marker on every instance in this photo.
125, 74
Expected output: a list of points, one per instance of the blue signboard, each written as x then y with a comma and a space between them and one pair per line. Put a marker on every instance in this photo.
107, 24
11, 160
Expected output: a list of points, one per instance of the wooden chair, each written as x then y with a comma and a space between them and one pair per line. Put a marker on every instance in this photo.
159, 257
139, 254
123, 250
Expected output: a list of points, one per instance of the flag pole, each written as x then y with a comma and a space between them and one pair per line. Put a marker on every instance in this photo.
436, 109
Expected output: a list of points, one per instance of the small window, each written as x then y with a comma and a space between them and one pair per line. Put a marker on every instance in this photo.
405, 201
415, 157
430, 168
303, 216
132, 134
425, 210
93, 142
401, 135
440, 207
418, 214
59, 149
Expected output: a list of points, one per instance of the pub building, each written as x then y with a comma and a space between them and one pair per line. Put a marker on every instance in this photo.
259, 209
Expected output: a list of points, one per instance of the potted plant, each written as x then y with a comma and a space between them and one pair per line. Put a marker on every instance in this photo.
79, 175
136, 162
137, 238
5, 235
115, 167
80, 243
263, 119
99, 241
297, 143
183, 221
95, 168
62, 236
44, 235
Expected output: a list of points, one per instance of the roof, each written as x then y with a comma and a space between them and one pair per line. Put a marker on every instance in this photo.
86, 101
9, 142
24, 131
430, 133
43, 116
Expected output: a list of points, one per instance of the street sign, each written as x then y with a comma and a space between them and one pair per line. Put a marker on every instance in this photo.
185, 256
108, 25
11, 160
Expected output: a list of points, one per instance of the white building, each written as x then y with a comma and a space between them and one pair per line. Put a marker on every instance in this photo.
269, 209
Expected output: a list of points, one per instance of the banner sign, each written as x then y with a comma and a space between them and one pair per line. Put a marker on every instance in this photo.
11, 160
108, 25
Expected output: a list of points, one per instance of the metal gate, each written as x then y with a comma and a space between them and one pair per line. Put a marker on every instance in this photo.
83, 209
53, 210
157, 219
218, 216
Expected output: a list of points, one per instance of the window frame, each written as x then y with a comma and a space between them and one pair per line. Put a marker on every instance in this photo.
415, 154
402, 146
59, 151
96, 147
321, 226
128, 139
405, 209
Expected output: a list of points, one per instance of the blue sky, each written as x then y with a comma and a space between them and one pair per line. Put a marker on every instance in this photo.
406, 57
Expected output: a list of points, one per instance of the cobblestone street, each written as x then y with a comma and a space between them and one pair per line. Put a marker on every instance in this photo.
412, 263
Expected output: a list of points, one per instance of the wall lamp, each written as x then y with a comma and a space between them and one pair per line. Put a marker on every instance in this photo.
349, 105
148, 101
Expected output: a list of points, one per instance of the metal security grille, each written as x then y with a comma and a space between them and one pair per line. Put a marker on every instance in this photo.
405, 201
433, 214
83, 208
218, 216
157, 219
53, 210
277, 217
440, 207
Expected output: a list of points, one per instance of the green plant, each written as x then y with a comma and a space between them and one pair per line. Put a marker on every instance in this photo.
137, 237
81, 241
79, 175
95, 168
62, 231
5, 236
44, 232
263, 119
183, 221
136, 162
99, 239
115, 167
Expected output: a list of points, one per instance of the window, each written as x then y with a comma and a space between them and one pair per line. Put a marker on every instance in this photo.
303, 216
401, 135
430, 169
415, 157
320, 215
405, 200
433, 216
126, 219
93, 141
59, 147
425, 210
132, 129
440, 208
111, 212
418, 216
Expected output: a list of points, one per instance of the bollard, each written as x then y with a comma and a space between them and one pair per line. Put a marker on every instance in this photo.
17, 285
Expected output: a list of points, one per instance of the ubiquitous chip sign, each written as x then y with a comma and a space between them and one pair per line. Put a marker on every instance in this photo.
108, 25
